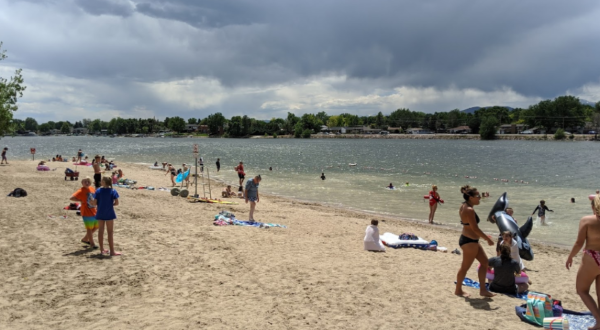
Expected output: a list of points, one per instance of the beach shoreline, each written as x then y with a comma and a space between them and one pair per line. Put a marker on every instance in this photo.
179, 271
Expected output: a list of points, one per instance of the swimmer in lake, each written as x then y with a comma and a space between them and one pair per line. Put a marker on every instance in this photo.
541, 209
391, 186
322, 175
407, 184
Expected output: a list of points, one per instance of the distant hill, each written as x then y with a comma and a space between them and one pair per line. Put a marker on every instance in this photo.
473, 109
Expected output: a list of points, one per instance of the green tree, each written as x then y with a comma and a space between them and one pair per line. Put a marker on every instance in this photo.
488, 128
31, 124
192, 121
65, 128
96, 126
298, 128
234, 128
177, 124
560, 134
306, 133
215, 123
44, 128
10, 90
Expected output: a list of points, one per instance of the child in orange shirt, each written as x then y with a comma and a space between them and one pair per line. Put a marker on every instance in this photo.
88, 212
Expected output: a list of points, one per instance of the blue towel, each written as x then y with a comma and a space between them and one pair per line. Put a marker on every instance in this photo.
474, 284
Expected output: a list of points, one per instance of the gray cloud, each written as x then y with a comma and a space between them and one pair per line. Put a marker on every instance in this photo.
539, 50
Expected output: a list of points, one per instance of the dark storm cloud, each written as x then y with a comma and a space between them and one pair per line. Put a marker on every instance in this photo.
538, 48
106, 7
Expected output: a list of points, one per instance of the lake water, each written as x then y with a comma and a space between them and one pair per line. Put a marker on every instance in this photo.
555, 171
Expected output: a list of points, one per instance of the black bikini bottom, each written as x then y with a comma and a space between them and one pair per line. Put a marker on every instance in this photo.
466, 240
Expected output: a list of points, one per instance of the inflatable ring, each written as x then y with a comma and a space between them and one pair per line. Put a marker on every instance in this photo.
524, 278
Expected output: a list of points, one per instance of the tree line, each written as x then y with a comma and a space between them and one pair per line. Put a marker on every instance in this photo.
563, 112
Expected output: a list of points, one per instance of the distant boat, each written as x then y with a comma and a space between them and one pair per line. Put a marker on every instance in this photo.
352, 164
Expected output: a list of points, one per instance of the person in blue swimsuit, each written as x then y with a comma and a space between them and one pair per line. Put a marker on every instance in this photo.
469, 242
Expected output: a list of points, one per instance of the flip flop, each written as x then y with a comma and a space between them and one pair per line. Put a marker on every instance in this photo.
84, 242
116, 254
103, 252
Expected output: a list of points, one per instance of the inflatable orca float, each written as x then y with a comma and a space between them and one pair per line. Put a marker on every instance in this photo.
506, 223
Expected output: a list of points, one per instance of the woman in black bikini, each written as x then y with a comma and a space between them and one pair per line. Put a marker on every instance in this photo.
469, 242
171, 169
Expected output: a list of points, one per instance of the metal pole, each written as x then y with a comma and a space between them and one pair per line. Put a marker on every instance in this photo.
203, 186
196, 178
209, 191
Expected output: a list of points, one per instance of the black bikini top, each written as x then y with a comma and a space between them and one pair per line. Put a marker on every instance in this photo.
466, 224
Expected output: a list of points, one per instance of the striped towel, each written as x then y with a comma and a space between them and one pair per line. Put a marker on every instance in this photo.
557, 323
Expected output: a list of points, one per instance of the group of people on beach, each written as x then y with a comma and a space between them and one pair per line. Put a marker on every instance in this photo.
508, 264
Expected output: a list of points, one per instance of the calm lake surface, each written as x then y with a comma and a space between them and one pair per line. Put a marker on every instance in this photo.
555, 171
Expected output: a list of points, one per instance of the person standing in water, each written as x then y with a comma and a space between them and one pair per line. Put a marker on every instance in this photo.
588, 237
218, 164
322, 175
469, 242
434, 199
541, 209
240, 171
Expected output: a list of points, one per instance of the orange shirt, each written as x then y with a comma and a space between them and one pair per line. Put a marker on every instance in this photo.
83, 195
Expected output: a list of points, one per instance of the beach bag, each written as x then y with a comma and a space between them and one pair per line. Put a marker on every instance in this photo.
18, 192
539, 306
68, 170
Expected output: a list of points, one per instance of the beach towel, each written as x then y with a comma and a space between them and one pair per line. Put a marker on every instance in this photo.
474, 284
222, 221
577, 320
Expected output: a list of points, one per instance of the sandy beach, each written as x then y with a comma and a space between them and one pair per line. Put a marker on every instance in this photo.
178, 271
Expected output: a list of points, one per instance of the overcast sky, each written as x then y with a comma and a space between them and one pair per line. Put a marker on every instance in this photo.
264, 58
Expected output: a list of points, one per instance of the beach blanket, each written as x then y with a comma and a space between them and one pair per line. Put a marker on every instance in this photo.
122, 186
577, 320
474, 284
221, 220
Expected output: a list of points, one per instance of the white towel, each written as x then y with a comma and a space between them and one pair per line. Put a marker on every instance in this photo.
372, 242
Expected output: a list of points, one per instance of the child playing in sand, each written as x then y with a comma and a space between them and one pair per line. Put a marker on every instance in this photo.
88, 212
106, 198
227, 192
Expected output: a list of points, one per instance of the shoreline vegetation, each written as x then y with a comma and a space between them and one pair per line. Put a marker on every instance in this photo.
560, 117
178, 270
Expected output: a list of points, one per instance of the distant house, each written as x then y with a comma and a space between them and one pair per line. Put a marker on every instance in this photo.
511, 128
191, 128
336, 130
204, 129
418, 130
80, 130
394, 129
460, 130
